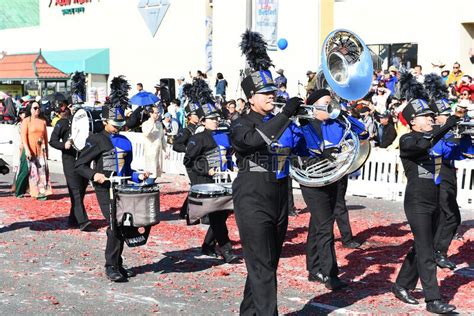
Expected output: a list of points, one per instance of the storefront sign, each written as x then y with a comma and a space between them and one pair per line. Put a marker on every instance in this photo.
266, 21
66, 6
12, 89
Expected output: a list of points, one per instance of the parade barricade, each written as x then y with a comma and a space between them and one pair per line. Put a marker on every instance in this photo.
381, 177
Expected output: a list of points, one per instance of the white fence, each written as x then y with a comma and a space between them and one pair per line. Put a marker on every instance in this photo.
381, 177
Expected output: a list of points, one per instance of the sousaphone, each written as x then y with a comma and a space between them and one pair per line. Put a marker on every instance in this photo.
346, 70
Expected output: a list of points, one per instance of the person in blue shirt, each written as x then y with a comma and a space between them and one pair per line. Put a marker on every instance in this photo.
112, 156
322, 136
221, 85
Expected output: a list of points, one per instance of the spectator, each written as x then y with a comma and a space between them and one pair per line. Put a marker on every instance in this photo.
444, 75
181, 96
158, 90
464, 86
465, 93
221, 85
20, 165
455, 76
232, 111
7, 110
386, 132
155, 143
311, 85
139, 87
417, 73
176, 111
240, 105
391, 80
281, 93
34, 137
281, 78
380, 98
171, 127
367, 118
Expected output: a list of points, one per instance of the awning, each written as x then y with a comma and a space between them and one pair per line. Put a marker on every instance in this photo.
93, 61
29, 67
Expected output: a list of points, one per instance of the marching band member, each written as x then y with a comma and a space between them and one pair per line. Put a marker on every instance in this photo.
260, 191
76, 185
184, 134
421, 202
60, 139
322, 135
112, 154
450, 216
203, 164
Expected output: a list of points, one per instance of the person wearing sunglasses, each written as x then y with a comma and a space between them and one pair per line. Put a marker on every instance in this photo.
35, 144
455, 75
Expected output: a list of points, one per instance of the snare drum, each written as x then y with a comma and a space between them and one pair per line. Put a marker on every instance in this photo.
207, 198
207, 190
138, 205
85, 122
228, 188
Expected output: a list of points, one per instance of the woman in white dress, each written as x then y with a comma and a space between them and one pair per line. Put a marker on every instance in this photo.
155, 143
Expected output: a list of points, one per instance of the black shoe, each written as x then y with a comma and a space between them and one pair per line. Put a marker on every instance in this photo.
352, 244
443, 262
86, 226
334, 283
209, 251
438, 307
114, 275
230, 257
403, 295
128, 273
317, 277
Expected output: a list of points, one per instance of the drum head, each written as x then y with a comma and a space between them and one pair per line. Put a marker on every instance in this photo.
207, 188
137, 188
80, 129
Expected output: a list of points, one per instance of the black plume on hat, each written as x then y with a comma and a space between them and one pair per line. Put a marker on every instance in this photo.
202, 100
259, 78
119, 87
254, 48
410, 88
436, 87
187, 88
118, 101
78, 87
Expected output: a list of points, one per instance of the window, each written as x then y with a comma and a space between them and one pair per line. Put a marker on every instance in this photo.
400, 55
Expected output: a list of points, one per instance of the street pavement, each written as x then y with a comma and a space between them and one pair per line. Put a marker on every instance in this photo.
48, 268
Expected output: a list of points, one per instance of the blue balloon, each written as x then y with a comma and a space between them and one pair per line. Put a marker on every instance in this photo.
282, 43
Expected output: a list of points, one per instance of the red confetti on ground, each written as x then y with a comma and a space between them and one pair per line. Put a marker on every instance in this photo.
372, 269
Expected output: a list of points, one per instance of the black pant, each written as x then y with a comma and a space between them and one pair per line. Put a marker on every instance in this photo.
449, 218
320, 251
340, 211
217, 231
421, 209
114, 246
76, 186
261, 212
291, 200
